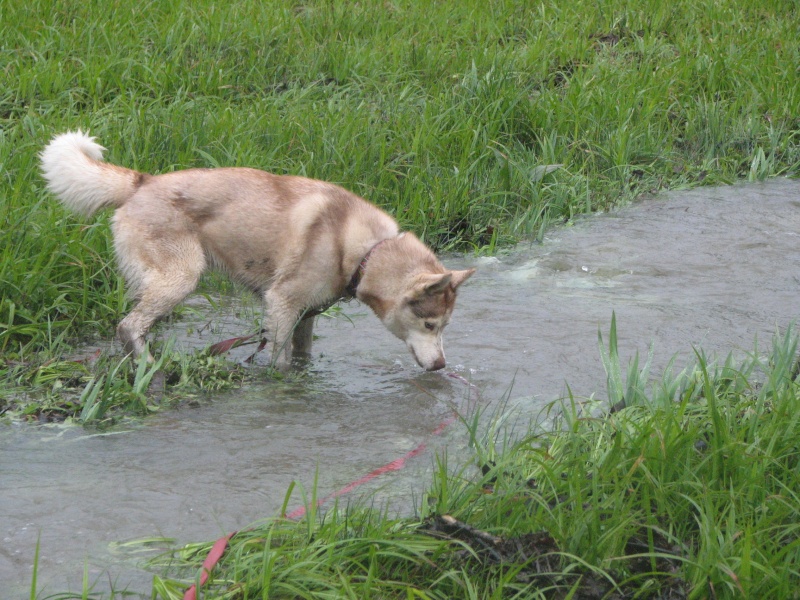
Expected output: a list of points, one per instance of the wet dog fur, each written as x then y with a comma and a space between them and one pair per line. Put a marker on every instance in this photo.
299, 243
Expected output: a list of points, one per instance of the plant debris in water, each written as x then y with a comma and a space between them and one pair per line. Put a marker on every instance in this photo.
104, 388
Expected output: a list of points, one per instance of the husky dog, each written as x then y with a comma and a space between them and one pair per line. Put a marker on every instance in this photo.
300, 243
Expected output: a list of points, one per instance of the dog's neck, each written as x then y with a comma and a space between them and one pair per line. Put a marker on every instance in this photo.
355, 280
352, 286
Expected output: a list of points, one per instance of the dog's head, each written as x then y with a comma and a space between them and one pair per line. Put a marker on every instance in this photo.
420, 317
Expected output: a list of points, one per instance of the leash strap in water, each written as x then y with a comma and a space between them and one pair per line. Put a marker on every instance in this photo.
219, 547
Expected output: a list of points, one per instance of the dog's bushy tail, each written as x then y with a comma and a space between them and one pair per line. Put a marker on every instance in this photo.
72, 164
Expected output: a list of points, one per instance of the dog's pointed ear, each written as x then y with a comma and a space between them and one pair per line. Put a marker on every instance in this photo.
459, 277
430, 284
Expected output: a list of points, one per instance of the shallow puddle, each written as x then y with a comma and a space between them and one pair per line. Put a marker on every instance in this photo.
711, 268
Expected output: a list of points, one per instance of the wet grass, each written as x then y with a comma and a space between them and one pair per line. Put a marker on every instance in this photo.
687, 489
474, 123
97, 387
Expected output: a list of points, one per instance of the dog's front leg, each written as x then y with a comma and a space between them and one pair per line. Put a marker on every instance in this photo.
303, 336
281, 319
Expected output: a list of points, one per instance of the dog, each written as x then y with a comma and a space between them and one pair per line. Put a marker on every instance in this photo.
300, 243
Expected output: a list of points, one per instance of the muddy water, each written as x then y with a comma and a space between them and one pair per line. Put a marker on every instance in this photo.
714, 268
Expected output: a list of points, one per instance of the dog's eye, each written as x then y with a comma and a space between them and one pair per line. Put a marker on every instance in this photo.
430, 326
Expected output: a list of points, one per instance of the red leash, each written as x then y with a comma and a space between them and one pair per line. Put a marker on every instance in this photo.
395, 465
211, 560
219, 547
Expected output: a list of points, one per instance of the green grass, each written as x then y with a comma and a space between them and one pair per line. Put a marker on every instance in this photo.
474, 123
688, 491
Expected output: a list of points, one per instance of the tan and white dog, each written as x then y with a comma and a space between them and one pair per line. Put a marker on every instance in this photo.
302, 244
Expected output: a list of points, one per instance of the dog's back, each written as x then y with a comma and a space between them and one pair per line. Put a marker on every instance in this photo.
251, 223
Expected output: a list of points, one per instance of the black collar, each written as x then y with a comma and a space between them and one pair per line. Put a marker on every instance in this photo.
350, 290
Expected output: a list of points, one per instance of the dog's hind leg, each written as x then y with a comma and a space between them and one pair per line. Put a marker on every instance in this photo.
158, 289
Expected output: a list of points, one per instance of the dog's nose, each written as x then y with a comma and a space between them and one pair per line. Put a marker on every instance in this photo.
438, 364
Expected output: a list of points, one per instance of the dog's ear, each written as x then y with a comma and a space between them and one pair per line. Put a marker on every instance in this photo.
430, 284
459, 277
